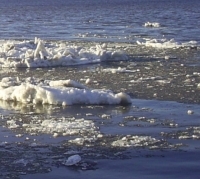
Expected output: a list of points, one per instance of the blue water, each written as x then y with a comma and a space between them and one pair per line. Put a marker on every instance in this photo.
99, 20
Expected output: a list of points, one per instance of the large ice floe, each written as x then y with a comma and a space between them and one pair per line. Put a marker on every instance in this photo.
41, 53
60, 92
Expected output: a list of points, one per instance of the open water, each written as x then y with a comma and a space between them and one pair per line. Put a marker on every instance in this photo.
99, 20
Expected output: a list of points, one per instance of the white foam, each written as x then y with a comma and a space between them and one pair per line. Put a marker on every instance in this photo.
61, 92
47, 54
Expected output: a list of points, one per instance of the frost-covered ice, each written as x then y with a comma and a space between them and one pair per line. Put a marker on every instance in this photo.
47, 54
152, 24
165, 43
60, 92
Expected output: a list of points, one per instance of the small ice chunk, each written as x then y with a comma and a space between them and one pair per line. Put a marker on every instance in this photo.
71, 152
88, 81
190, 112
21, 161
152, 24
167, 57
73, 160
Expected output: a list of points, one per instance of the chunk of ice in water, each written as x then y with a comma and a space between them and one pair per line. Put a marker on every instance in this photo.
190, 112
73, 160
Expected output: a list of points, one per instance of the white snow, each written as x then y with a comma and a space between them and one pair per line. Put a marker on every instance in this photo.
60, 92
41, 53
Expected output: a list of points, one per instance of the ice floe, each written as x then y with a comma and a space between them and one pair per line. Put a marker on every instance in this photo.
72, 160
136, 141
40, 53
119, 70
165, 43
60, 92
152, 24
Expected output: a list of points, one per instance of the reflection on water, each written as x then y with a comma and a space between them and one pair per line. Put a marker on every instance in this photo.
81, 110
17, 107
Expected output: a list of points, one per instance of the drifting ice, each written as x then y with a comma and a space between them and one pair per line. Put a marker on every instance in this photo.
73, 160
48, 54
61, 92
165, 44
152, 24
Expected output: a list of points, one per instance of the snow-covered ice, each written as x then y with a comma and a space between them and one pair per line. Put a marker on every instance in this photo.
60, 92
40, 53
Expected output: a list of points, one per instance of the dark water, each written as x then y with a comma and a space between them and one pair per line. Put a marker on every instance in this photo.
99, 20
